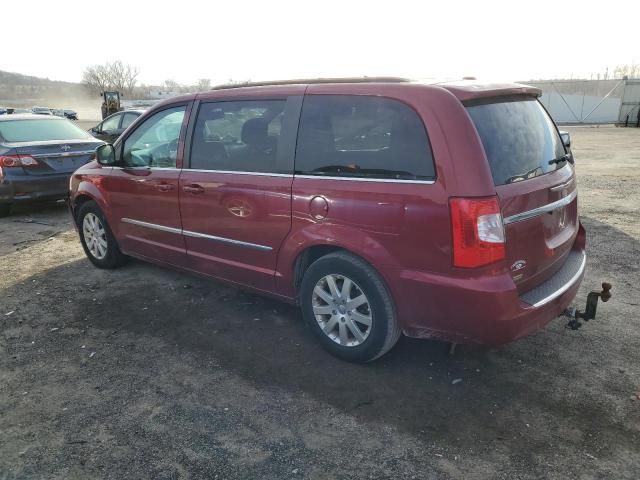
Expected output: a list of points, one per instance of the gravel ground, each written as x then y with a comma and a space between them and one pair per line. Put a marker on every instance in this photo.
151, 373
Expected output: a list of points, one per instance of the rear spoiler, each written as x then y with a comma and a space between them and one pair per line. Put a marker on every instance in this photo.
466, 91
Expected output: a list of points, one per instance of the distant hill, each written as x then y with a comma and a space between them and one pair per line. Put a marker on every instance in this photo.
17, 90
12, 78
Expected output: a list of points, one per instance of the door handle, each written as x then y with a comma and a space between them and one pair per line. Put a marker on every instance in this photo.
195, 188
163, 187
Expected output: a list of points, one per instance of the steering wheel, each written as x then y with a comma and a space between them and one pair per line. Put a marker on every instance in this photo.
172, 148
164, 153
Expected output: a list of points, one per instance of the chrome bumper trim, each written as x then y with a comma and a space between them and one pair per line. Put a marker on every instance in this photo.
556, 293
61, 155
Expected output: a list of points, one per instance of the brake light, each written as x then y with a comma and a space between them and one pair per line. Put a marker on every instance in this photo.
10, 161
478, 231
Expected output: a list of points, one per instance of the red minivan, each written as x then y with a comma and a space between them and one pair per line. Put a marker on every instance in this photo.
379, 206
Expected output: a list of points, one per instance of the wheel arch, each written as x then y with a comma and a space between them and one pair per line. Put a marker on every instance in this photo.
86, 192
310, 253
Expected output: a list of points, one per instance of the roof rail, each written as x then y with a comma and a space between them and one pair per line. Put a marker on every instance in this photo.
304, 81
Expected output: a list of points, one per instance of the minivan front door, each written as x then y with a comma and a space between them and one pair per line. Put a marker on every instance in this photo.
144, 189
235, 196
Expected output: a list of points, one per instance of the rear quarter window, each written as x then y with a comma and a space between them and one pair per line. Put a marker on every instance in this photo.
362, 136
520, 140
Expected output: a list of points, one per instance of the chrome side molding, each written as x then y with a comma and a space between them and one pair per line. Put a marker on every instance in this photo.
230, 241
362, 179
152, 226
189, 233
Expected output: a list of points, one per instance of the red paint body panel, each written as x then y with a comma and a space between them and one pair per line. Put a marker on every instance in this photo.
151, 196
247, 208
402, 229
540, 241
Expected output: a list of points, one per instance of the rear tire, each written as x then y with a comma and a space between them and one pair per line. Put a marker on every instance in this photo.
5, 209
96, 237
348, 307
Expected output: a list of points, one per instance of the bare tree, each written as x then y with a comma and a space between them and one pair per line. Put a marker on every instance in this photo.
96, 78
630, 71
171, 85
130, 78
111, 76
203, 84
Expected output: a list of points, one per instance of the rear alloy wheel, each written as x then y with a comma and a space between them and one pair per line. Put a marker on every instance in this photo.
342, 310
98, 242
348, 307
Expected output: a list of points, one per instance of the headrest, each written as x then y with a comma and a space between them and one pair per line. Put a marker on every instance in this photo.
255, 131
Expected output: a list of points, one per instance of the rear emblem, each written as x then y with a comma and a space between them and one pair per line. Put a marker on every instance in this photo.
65, 148
518, 265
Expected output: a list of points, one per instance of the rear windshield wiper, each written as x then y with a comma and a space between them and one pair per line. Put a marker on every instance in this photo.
525, 176
564, 158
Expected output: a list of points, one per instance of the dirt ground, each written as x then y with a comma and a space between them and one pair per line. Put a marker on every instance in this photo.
149, 373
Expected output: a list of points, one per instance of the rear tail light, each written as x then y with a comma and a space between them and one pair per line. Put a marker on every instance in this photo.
478, 231
21, 161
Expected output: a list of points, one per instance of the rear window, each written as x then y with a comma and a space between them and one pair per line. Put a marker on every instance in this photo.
362, 136
519, 139
36, 130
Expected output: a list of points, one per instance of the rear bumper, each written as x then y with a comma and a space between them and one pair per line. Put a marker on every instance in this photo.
487, 311
24, 188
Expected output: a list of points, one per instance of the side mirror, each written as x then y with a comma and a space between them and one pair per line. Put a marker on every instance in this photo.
566, 138
106, 155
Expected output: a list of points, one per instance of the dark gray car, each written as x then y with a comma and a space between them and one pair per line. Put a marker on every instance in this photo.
113, 126
38, 154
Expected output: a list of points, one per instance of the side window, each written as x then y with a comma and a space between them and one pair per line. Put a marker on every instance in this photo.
155, 142
128, 119
111, 123
362, 136
240, 136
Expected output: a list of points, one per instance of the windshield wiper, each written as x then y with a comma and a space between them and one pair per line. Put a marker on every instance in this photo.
524, 176
564, 158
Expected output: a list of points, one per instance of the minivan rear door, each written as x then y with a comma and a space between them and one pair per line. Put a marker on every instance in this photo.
235, 191
535, 184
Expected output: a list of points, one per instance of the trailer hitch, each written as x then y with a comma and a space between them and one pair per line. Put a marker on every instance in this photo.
590, 309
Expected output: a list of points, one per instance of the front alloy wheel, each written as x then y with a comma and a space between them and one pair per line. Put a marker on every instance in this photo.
95, 236
98, 241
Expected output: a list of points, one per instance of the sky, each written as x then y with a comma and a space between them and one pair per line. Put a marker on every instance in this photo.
264, 40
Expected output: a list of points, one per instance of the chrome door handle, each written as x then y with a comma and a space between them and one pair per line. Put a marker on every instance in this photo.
193, 189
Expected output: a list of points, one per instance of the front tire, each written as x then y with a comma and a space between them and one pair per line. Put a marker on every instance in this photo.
97, 240
348, 307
